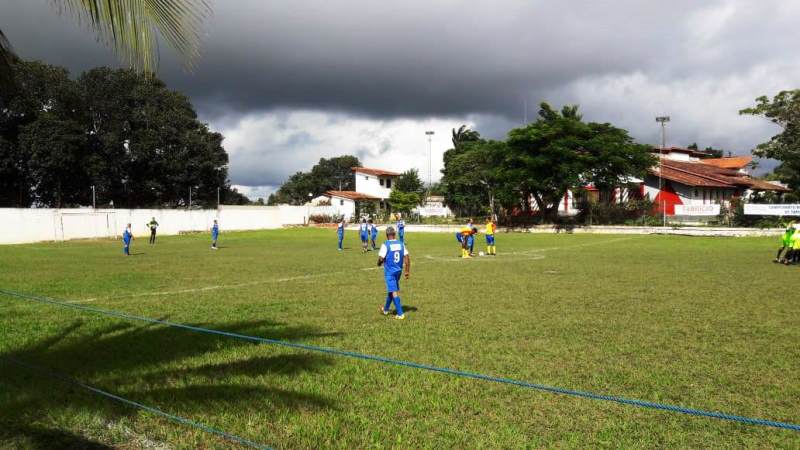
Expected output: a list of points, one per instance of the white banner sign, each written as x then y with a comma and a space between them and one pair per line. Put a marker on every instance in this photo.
771, 210
696, 210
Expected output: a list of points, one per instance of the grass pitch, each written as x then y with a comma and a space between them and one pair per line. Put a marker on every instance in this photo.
708, 323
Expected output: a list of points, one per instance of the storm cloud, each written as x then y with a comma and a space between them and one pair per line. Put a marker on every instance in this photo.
289, 82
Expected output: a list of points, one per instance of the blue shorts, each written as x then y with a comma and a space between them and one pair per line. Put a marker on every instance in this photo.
364, 238
458, 237
489, 239
393, 281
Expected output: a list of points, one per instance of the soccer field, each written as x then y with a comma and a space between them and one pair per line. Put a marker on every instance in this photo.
706, 323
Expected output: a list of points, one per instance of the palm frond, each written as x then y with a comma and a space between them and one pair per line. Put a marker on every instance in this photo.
132, 27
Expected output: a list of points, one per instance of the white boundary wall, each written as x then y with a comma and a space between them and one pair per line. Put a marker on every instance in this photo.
19, 225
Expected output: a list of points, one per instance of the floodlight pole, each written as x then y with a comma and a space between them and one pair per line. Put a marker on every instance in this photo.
94, 198
190, 197
430, 158
217, 197
663, 121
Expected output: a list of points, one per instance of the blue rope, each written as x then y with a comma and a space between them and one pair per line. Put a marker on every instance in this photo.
150, 409
397, 362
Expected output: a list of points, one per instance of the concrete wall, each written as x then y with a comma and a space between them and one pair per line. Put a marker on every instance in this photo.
18, 225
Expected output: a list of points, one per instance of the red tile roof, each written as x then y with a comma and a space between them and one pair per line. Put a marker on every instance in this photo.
351, 195
376, 172
736, 162
707, 175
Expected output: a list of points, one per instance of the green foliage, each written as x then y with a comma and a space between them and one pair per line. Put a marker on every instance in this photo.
784, 111
138, 142
559, 152
473, 176
409, 181
328, 174
403, 201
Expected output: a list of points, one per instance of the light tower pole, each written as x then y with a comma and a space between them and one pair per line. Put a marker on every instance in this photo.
430, 157
663, 121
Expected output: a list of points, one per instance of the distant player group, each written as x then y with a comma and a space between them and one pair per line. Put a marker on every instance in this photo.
127, 236
394, 256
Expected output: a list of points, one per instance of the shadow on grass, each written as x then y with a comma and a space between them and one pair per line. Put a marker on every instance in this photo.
182, 372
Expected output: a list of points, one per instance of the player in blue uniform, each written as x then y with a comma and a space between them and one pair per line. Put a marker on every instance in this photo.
393, 256
127, 237
471, 241
363, 233
340, 233
401, 228
373, 230
214, 235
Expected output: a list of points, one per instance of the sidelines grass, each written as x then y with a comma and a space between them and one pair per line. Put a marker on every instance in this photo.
701, 322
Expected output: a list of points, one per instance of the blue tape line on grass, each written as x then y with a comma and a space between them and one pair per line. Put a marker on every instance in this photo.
397, 362
150, 409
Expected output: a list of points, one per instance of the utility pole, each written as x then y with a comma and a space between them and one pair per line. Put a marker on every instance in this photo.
217, 197
94, 198
430, 158
663, 121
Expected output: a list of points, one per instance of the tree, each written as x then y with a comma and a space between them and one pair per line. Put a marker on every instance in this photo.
784, 111
327, 175
472, 178
403, 201
137, 142
464, 135
409, 181
131, 27
559, 152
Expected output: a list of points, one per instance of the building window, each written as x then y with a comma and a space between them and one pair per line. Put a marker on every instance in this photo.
696, 193
381, 181
388, 183
341, 202
366, 177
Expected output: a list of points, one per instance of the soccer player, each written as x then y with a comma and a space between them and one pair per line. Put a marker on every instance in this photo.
786, 241
401, 228
153, 225
793, 255
490, 229
463, 237
363, 232
373, 230
127, 237
471, 241
340, 233
214, 235
393, 256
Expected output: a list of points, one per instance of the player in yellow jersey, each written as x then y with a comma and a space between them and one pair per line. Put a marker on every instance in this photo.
463, 237
491, 227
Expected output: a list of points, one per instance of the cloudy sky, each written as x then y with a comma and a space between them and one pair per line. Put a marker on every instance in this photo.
288, 82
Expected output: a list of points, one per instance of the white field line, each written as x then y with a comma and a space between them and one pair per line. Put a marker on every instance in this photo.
429, 259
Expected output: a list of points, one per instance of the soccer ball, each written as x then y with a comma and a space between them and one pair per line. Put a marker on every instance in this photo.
480, 253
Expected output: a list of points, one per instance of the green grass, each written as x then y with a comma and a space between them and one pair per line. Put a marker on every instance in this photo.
707, 323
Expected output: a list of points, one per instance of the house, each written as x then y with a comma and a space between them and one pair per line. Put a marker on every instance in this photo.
373, 188
683, 177
696, 181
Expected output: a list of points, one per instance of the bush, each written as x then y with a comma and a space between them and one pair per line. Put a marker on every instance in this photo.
325, 218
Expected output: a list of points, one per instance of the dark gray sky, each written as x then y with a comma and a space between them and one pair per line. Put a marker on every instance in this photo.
290, 82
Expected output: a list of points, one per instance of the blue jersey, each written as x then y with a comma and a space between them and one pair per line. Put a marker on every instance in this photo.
393, 253
215, 231
364, 229
127, 236
374, 232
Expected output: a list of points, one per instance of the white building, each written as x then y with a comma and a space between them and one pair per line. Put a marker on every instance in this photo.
375, 182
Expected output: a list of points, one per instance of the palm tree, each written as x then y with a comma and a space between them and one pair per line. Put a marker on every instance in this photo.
464, 134
131, 27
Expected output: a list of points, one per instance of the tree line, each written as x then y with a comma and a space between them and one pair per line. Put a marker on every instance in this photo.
137, 142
